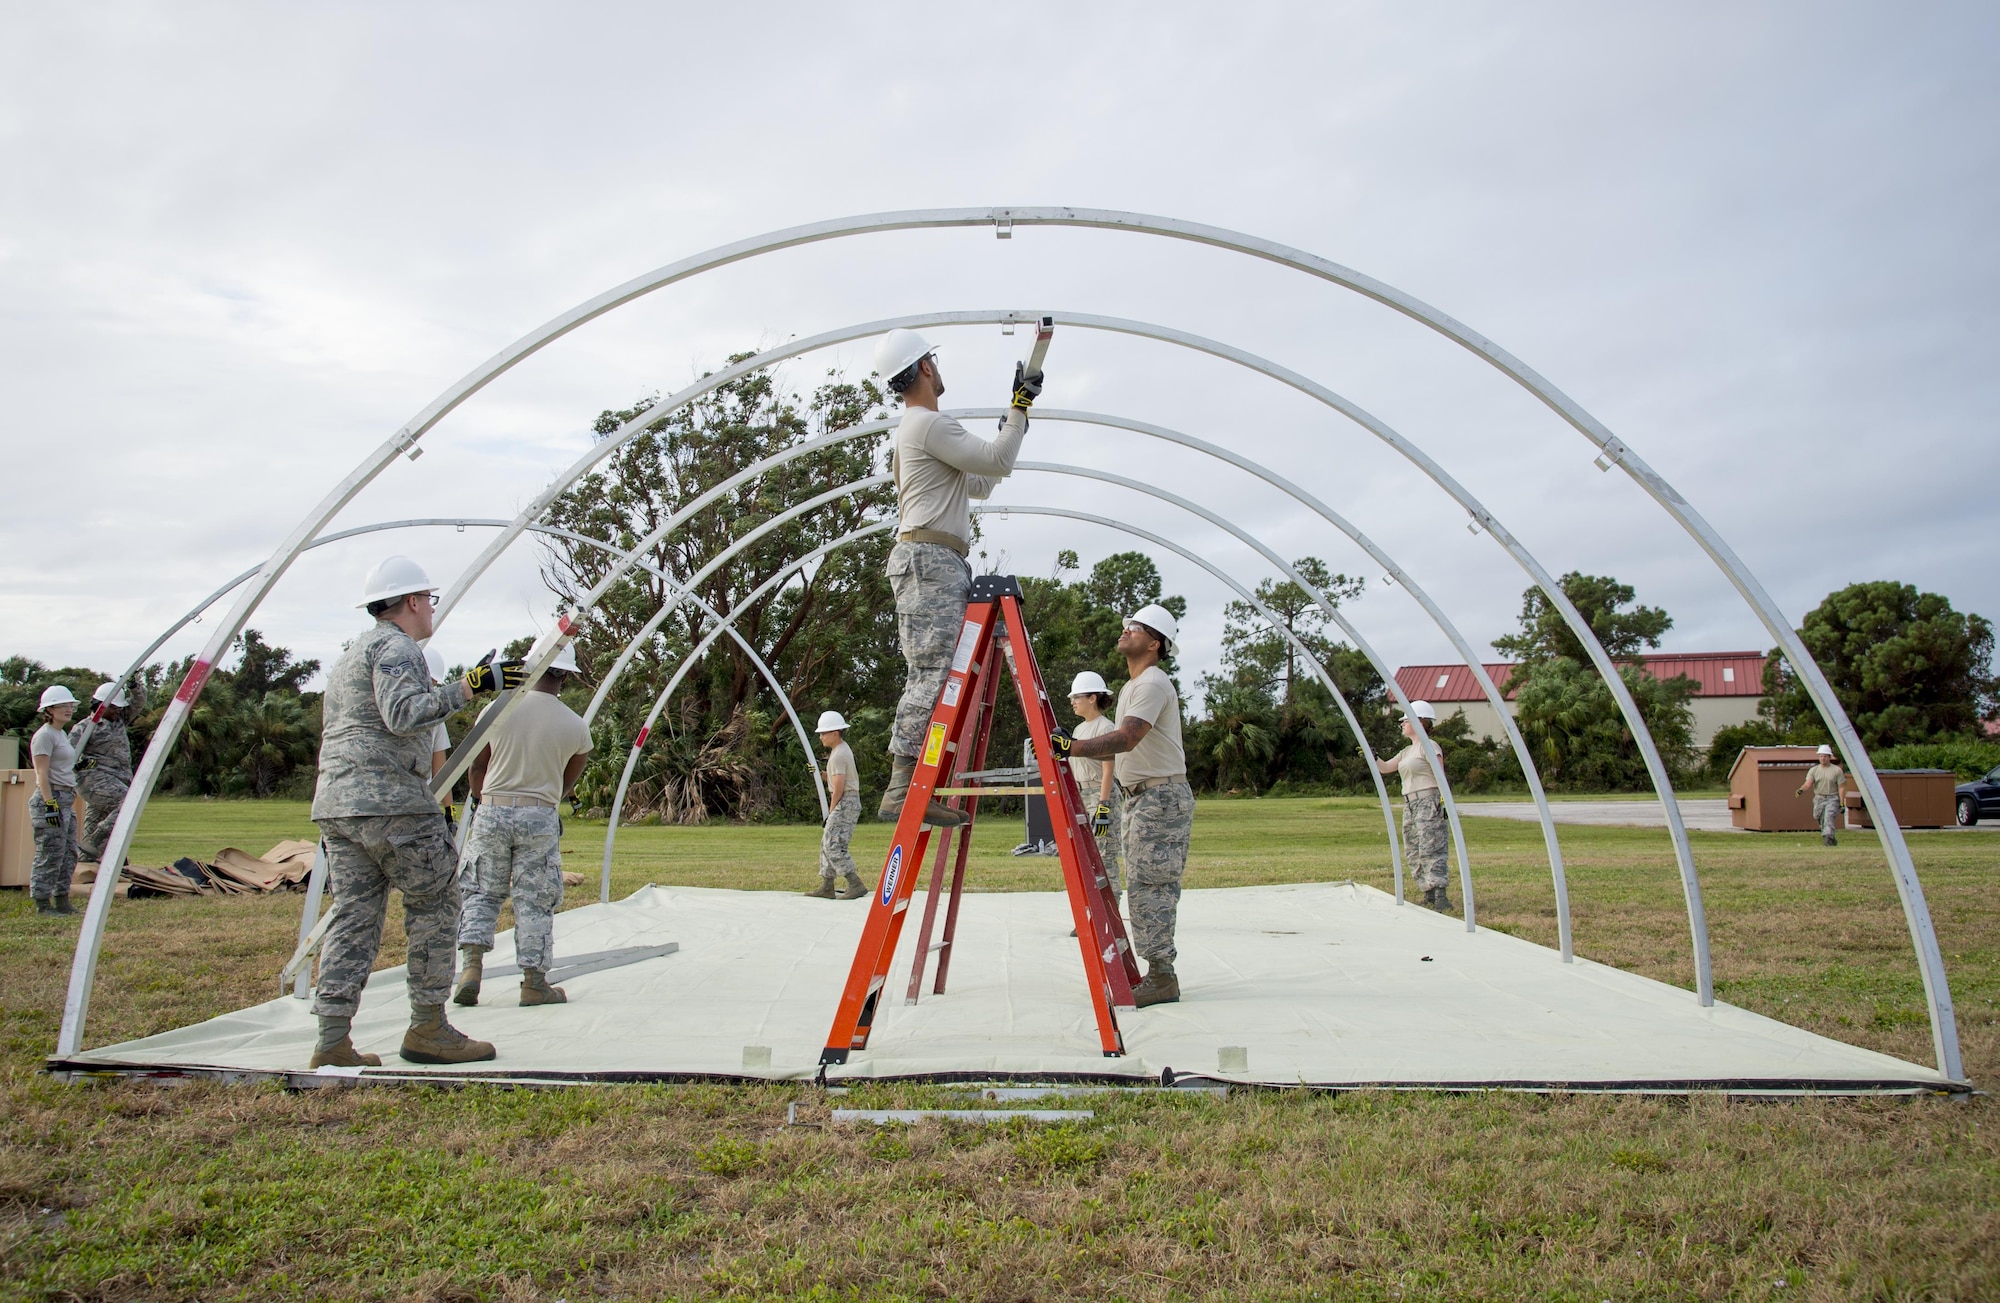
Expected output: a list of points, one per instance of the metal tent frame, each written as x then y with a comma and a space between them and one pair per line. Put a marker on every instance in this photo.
1002, 221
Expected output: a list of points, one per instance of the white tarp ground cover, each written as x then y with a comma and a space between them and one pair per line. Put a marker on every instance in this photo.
1324, 984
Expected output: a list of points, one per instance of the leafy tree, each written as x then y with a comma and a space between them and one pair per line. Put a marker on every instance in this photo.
1905, 666
1572, 723
22, 682
1601, 600
829, 634
1259, 653
1270, 721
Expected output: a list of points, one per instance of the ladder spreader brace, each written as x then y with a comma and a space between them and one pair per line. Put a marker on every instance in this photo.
961, 724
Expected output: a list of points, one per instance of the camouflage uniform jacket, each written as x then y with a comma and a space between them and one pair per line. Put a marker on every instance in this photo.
105, 758
375, 738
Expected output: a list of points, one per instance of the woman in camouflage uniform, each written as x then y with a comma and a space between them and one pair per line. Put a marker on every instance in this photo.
1426, 836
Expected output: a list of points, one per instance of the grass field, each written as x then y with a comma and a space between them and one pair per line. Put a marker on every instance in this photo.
142, 1191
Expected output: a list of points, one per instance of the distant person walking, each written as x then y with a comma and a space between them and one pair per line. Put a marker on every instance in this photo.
843, 796
530, 762
1426, 836
54, 810
104, 766
1825, 778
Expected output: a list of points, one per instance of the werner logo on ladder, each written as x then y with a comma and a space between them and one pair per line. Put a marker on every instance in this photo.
955, 747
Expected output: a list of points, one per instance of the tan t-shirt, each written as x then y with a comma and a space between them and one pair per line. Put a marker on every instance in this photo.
532, 747
840, 760
1415, 770
1825, 779
1151, 697
940, 466
1089, 773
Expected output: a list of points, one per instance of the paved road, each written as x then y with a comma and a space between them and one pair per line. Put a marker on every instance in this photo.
1709, 815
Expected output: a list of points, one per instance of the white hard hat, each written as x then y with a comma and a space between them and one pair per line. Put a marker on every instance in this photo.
395, 576
57, 695
1086, 682
1159, 619
831, 721
1422, 710
898, 349
111, 692
434, 661
1825, 750
566, 660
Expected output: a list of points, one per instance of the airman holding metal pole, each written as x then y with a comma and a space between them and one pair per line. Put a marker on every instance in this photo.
104, 765
529, 763
1825, 778
939, 467
53, 809
1151, 773
1426, 835
382, 828
843, 782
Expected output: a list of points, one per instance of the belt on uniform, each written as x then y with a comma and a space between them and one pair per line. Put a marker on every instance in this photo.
535, 801
1147, 784
938, 536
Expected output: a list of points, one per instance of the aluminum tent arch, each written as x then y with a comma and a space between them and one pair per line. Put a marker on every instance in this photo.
764, 671
1537, 573
723, 623
1003, 220
638, 743
1312, 660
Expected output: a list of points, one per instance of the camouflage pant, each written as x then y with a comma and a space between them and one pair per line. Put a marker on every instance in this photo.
1827, 812
517, 850
101, 799
1426, 839
834, 859
365, 856
1108, 846
55, 846
931, 583
1158, 822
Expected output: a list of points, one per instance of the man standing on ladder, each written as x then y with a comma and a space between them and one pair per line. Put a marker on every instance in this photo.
104, 767
382, 828
530, 762
939, 467
1151, 773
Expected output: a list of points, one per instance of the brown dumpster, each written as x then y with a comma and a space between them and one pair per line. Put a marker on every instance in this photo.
1921, 798
1764, 789
17, 831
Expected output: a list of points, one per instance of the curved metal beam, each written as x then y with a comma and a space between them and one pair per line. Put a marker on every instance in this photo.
1326, 678
1332, 609
1937, 991
1586, 636
1458, 640
724, 623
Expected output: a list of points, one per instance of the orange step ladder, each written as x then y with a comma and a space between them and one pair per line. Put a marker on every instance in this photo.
955, 745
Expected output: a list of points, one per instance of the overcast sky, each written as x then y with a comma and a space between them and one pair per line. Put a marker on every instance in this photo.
241, 245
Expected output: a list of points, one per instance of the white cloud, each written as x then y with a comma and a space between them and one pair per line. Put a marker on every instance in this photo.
239, 246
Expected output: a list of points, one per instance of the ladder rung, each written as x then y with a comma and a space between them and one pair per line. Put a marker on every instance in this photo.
986, 791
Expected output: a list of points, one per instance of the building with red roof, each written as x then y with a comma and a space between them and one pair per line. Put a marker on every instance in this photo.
1728, 688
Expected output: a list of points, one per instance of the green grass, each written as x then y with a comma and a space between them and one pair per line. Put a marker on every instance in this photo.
136, 1190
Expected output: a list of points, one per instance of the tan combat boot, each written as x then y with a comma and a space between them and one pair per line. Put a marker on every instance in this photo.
901, 774
854, 890
344, 1055
1160, 986
433, 1040
471, 968
535, 989
824, 891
